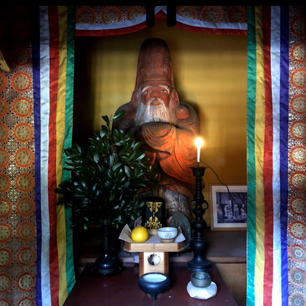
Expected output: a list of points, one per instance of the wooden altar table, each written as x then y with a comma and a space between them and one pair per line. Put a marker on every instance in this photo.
122, 290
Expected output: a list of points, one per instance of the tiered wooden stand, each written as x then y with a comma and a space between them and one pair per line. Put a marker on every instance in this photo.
148, 249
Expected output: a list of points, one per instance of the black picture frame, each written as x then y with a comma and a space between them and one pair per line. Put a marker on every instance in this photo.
228, 207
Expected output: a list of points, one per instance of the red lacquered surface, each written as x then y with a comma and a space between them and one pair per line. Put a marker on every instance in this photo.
122, 290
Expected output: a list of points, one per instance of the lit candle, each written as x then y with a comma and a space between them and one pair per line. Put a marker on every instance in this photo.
199, 143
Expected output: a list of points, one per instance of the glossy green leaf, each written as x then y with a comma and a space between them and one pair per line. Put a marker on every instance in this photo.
96, 158
106, 119
119, 115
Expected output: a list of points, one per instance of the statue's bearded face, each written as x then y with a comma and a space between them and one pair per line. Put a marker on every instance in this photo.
153, 104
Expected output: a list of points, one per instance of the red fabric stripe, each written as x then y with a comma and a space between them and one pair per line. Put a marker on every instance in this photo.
113, 32
268, 161
211, 31
160, 15
54, 70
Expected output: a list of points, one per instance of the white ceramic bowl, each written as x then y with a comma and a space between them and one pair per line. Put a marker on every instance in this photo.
167, 233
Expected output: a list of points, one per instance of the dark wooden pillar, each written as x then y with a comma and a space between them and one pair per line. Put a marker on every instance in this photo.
171, 15
150, 15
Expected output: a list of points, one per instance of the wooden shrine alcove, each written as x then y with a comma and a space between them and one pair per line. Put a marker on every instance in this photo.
210, 73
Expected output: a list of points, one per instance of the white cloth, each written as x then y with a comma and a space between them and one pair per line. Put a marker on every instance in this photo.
202, 293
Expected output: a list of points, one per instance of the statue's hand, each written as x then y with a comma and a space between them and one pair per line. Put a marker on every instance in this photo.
160, 136
157, 129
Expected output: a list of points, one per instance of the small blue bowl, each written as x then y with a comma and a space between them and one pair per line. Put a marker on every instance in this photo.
154, 283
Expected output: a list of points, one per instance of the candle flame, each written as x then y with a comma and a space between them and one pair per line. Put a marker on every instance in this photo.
199, 142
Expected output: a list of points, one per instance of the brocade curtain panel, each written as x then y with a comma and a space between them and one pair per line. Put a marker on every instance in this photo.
36, 109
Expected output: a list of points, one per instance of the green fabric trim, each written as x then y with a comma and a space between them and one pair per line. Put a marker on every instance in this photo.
251, 172
68, 141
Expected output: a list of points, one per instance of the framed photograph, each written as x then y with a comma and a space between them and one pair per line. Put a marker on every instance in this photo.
228, 207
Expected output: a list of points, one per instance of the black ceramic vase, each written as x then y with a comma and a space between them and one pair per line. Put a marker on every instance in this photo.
108, 263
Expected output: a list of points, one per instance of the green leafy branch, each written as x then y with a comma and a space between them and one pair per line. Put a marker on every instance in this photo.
107, 178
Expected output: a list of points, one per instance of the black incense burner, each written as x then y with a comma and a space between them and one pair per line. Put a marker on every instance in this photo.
154, 283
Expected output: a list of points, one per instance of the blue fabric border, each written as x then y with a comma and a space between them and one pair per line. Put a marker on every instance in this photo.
284, 111
36, 96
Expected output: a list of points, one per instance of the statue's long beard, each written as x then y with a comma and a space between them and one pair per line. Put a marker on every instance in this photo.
152, 113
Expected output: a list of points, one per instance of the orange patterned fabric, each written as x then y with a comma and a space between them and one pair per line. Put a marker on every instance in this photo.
17, 203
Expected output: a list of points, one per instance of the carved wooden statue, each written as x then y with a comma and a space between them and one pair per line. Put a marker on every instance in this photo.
166, 126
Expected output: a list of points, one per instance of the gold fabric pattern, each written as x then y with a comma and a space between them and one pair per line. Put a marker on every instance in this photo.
298, 180
3, 108
26, 302
298, 78
24, 182
298, 52
108, 14
3, 132
298, 205
85, 14
4, 182
237, 14
135, 12
5, 282
298, 229
111, 14
4, 302
6, 232
24, 157
5, 208
25, 207
297, 253
25, 231
3, 81
298, 104
298, 26
23, 132
26, 256
298, 130
4, 158
297, 276
22, 107
297, 299
187, 12
212, 13
298, 155
21, 81
26, 282
6, 257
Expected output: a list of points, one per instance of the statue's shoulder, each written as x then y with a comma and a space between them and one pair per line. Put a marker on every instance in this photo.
123, 107
192, 120
190, 108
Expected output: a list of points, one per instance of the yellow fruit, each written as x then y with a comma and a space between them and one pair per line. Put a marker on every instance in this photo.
139, 234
